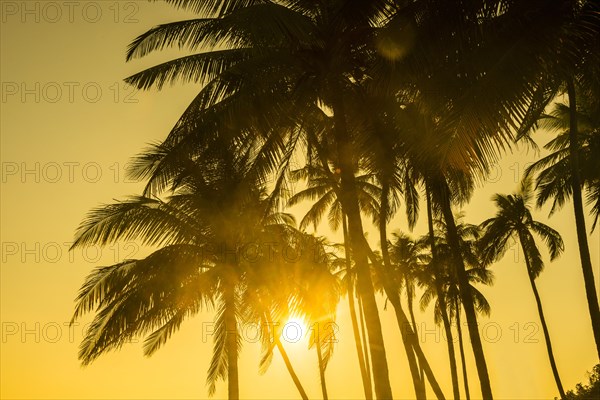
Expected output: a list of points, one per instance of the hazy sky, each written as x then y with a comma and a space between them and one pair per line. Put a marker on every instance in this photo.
69, 126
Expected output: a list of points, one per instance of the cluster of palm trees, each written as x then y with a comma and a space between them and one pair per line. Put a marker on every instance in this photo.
382, 103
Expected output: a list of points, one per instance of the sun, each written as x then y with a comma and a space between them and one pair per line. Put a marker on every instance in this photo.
294, 330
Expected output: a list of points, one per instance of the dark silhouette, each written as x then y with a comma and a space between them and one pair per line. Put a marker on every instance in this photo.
514, 220
380, 100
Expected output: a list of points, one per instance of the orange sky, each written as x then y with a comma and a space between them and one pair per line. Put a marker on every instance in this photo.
68, 127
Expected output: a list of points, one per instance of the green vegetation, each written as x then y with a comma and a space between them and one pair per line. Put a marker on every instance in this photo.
591, 391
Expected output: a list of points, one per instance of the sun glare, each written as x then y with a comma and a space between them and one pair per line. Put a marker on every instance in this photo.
294, 330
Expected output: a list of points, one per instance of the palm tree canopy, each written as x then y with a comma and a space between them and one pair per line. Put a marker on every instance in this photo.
513, 220
213, 231
476, 271
554, 172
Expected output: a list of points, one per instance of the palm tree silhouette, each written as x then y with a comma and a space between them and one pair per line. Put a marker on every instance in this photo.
514, 220
323, 186
407, 258
320, 297
412, 257
432, 156
307, 55
571, 68
443, 279
204, 231
268, 303
554, 171
479, 69
322, 189
559, 179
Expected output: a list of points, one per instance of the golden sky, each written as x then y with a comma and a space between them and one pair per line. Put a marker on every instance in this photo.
68, 128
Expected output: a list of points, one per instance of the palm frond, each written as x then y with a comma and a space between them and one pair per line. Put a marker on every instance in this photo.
218, 364
151, 221
551, 237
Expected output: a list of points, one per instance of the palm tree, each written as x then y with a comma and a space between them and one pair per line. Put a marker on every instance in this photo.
320, 299
330, 43
571, 68
413, 260
263, 306
263, 81
514, 220
407, 258
323, 186
202, 231
443, 280
556, 178
409, 337
554, 171
476, 275
386, 158
576, 184
308, 54
305, 287
453, 303
429, 152
515, 68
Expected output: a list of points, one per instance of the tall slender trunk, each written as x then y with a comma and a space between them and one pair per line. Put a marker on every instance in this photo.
538, 302
451, 355
232, 342
286, 358
404, 325
349, 200
411, 312
321, 364
465, 292
584, 251
442, 297
413, 340
462, 351
415, 368
364, 372
363, 332
418, 383
290, 368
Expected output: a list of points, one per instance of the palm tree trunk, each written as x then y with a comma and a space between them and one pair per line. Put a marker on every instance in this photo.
584, 251
538, 302
462, 351
418, 383
364, 372
413, 341
290, 368
286, 359
405, 327
361, 314
321, 365
349, 200
232, 343
411, 312
415, 369
442, 298
451, 352
465, 292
